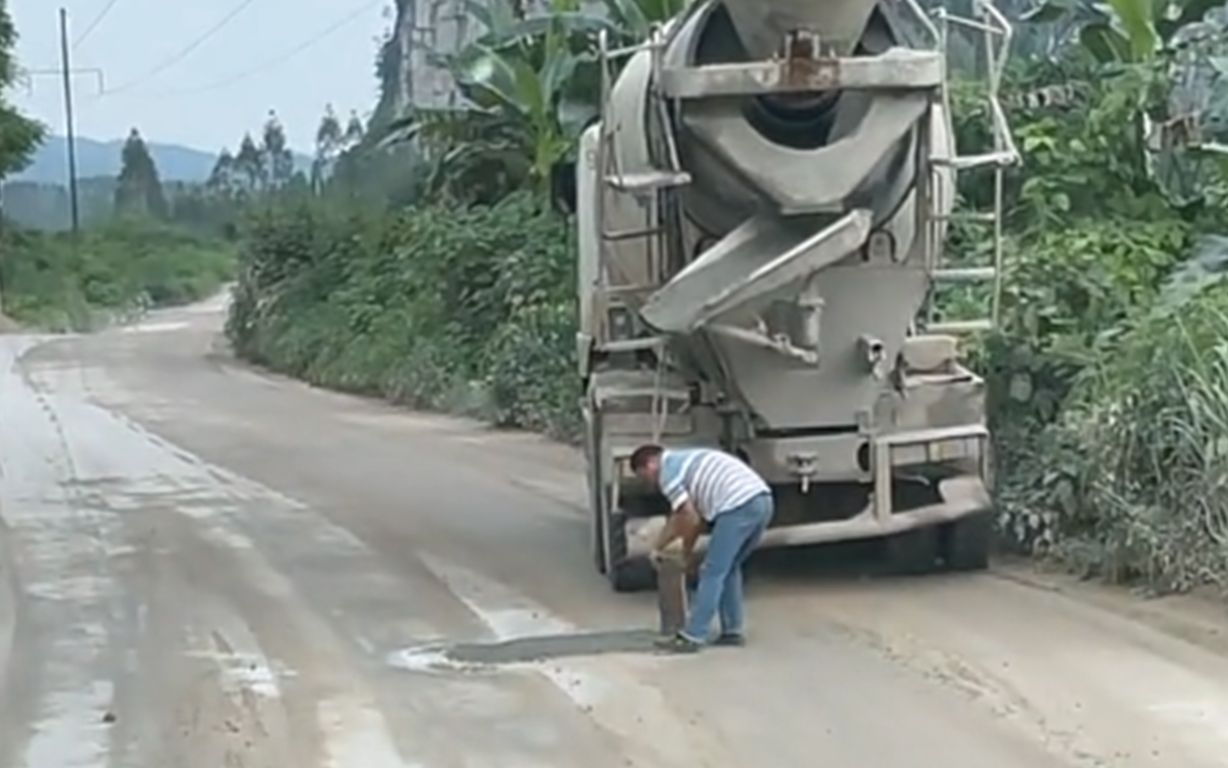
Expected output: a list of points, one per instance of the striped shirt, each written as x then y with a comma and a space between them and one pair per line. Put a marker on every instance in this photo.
715, 481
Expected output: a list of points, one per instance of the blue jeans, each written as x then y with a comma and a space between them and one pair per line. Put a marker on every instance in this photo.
735, 534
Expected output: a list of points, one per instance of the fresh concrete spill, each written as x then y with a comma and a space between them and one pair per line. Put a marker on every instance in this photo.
610, 687
524, 652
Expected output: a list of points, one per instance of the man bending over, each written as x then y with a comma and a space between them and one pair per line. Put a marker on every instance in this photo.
736, 503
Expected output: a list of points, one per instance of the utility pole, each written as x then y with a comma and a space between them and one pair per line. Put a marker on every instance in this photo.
70, 132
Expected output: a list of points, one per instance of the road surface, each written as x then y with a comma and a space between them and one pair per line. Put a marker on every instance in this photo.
205, 566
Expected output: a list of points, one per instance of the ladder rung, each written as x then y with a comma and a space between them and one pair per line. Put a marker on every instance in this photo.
631, 234
633, 345
648, 181
965, 274
621, 290
984, 218
968, 162
960, 326
630, 393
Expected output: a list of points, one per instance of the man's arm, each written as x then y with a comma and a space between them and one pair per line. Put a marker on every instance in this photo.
683, 523
692, 526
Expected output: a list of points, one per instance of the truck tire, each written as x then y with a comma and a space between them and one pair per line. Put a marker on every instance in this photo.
626, 574
597, 504
913, 553
966, 542
598, 491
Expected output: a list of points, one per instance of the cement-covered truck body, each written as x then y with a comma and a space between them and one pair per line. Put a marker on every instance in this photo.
761, 212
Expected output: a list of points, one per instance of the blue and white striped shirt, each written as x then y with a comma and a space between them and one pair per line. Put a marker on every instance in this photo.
715, 481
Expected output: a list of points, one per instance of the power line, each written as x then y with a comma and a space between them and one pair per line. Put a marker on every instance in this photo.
281, 58
94, 24
186, 51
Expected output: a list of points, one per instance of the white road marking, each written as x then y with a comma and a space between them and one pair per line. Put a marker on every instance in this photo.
246, 672
72, 732
8, 606
356, 734
163, 327
428, 658
1205, 720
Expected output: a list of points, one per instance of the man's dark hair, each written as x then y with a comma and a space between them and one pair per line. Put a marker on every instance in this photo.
643, 454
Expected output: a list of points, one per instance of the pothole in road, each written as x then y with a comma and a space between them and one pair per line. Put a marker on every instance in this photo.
524, 651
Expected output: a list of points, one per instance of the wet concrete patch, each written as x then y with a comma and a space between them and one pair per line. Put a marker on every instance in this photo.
524, 651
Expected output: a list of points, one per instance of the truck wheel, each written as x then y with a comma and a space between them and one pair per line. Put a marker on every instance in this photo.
597, 501
598, 492
966, 542
624, 573
635, 575
914, 552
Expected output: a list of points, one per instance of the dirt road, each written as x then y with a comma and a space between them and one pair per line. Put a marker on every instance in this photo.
204, 566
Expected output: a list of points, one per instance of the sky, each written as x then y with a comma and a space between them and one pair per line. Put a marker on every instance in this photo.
222, 88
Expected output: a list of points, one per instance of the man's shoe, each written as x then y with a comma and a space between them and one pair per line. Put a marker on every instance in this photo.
677, 644
730, 641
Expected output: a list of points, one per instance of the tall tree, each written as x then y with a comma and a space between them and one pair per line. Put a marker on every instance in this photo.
329, 139
221, 180
355, 132
278, 159
139, 190
18, 134
249, 165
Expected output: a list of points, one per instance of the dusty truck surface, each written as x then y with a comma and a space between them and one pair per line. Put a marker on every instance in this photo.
762, 212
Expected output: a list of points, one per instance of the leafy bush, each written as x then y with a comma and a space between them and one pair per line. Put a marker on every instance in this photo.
60, 284
1088, 365
463, 309
1065, 289
1133, 479
532, 374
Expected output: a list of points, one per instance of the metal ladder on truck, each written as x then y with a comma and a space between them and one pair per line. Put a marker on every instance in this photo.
997, 37
656, 190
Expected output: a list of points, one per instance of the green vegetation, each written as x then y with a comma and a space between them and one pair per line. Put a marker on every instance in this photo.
56, 283
18, 134
61, 282
114, 269
1107, 376
138, 191
464, 309
1104, 385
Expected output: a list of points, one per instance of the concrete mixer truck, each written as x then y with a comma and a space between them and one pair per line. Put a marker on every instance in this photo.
761, 213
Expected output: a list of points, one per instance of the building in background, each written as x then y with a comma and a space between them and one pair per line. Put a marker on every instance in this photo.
426, 32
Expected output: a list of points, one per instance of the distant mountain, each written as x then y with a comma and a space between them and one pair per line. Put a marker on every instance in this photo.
102, 158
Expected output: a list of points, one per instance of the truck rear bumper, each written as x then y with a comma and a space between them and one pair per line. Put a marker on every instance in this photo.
962, 496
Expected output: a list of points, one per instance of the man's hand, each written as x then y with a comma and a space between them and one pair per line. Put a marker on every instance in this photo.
685, 523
